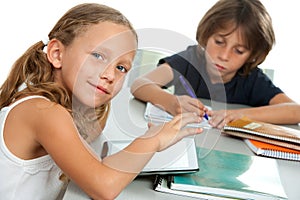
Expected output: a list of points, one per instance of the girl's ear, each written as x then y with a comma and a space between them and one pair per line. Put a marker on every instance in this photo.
54, 53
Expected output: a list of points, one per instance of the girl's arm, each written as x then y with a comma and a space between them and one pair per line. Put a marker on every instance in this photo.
148, 88
57, 134
281, 110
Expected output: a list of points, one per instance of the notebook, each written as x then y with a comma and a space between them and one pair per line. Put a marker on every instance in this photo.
161, 184
157, 115
227, 175
274, 151
179, 158
265, 132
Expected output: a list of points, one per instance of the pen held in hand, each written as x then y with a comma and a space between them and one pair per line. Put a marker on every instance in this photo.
190, 92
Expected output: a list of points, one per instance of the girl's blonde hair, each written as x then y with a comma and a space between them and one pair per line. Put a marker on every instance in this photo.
248, 15
34, 69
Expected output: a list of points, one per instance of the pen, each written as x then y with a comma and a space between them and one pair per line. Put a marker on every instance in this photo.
190, 91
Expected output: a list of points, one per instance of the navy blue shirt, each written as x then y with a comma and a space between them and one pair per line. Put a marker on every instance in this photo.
255, 89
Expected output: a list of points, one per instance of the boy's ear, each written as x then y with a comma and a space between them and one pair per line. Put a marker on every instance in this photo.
54, 53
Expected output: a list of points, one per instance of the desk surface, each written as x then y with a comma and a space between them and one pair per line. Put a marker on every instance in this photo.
127, 122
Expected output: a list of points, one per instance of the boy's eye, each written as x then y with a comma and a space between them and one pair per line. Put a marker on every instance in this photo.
98, 56
219, 42
121, 68
239, 51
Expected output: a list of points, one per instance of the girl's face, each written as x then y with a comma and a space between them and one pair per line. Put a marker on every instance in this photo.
94, 66
225, 54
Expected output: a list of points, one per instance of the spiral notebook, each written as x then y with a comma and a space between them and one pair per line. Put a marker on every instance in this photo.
264, 132
157, 115
162, 183
273, 151
225, 175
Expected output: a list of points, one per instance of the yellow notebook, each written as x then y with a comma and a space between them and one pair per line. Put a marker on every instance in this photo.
265, 132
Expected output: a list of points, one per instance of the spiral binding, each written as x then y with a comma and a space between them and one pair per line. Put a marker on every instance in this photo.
158, 181
280, 154
262, 134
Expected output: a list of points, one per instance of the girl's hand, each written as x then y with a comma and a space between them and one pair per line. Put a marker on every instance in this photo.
184, 104
218, 118
171, 132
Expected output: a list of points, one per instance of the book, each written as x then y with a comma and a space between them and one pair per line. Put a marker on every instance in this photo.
179, 158
229, 176
157, 115
264, 132
270, 150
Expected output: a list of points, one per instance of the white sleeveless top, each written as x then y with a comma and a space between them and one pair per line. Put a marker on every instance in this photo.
27, 179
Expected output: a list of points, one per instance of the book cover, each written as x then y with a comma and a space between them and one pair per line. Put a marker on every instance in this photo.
231, 175
179, 158
265, 132
274, 151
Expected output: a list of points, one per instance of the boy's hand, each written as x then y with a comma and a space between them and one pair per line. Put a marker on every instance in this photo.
219, 118
184, 104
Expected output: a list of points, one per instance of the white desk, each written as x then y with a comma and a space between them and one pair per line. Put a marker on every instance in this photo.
128, 122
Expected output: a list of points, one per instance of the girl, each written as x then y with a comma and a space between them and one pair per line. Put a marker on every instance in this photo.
234, 37
90, 50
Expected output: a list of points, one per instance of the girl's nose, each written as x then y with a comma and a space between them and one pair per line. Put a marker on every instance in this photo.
108, 73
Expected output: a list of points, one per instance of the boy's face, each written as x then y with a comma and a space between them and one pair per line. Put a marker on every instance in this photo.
226, 54
95, 64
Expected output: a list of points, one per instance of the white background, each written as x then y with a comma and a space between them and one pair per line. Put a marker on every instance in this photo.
24, 23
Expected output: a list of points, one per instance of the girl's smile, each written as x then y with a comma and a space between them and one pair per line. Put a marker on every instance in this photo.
100, 89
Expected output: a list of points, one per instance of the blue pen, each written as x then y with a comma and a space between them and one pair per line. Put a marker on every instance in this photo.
190, 91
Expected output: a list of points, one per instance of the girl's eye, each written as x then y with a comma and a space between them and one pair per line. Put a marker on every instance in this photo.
98, 56
121, 68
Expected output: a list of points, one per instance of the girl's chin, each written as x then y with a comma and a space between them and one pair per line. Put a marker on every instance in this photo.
90, 104
99, 102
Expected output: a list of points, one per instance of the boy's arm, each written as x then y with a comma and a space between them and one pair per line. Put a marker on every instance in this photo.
281, 110
148, 88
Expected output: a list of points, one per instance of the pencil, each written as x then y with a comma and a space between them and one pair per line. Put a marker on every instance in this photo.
190, 92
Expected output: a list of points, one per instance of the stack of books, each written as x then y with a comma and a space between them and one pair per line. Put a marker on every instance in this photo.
266, 139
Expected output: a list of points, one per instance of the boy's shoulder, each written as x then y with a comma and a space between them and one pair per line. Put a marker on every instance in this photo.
253, 73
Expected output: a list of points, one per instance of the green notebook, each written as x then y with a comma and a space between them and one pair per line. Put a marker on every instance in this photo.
230, 175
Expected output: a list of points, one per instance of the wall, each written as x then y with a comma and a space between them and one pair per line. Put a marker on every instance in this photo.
26, 22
